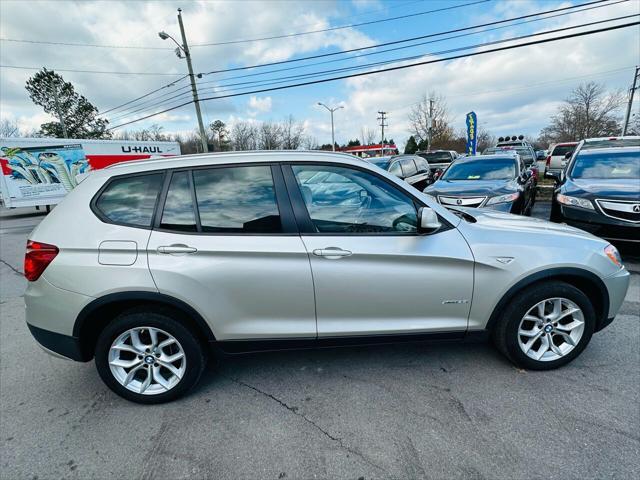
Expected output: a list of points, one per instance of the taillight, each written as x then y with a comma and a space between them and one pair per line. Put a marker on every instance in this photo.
38, 257
548, 161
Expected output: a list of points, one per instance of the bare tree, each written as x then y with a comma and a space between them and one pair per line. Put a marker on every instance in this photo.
292, 134
244, 136
485, 140
421, 119
270, 136
589, 111
369, 137
9, 128
310, 143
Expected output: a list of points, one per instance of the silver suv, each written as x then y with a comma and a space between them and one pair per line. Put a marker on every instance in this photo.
146, 264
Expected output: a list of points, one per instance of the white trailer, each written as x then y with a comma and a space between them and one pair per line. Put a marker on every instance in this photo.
40, 171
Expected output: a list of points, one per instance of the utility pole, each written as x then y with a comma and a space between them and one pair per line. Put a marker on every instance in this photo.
194, 90
382, 119
56, 101
633, 89
331, 110
430, 123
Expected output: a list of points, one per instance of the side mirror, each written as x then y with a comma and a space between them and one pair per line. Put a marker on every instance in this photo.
557, 176
428, 221
567, 155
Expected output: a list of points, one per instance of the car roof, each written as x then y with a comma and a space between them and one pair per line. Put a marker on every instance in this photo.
614, 150
487, 157
223, 158
603, 139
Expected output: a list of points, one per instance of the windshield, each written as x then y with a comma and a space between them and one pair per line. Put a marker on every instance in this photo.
436, 157
482, 169
382, 162
607, 165
562, 150
612, 142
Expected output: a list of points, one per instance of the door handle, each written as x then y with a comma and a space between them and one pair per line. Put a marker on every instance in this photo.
178, 248
331, 252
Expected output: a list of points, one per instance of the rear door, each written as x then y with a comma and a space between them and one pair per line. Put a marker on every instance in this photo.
226, 243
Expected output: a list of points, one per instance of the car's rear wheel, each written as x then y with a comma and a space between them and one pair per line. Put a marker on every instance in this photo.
149, 357
545, 327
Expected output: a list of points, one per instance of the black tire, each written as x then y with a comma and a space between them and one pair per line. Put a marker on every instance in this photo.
193, 349
505, 332
556, 214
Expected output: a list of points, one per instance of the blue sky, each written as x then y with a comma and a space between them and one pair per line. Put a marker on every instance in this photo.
512, 92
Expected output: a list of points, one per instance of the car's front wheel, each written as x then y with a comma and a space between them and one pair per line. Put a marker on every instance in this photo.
149, 357
545, 327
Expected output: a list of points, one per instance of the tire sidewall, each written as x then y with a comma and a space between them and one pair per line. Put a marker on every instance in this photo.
192, 348
531, 297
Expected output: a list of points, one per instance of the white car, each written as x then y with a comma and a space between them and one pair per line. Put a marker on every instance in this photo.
145, 265
558, 158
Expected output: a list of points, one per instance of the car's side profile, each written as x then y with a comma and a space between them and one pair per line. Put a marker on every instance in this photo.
144, 265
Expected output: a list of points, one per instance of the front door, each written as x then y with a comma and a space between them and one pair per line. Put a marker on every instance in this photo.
225, 243
373, 273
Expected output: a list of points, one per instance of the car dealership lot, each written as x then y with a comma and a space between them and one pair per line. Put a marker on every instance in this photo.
407, 411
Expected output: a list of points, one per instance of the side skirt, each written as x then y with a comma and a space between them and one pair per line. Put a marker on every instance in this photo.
249, 346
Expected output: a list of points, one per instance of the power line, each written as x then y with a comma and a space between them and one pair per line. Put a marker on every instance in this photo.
135, 47
92, 71
595, 4
168, 85
412, 57
395, 42
398, 48
341, 27
400, 67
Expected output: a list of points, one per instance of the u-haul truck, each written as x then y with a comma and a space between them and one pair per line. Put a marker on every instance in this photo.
40, 171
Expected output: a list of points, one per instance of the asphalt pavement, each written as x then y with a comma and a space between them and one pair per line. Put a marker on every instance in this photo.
449, 410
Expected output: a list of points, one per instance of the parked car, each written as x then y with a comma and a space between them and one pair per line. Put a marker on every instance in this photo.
525, 151
499, 182
600, 192
438, 160
559, 155
145, 265
412, 169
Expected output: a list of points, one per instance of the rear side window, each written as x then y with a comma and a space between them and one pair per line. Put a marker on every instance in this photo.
237, 200
408, 167
563, 150
131, 200
178, 213
422, 165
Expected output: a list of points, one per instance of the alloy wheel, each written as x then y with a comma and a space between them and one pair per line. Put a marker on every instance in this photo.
147, 360
551, 329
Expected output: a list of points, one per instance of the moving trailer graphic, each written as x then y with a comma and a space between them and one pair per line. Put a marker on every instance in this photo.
41, 171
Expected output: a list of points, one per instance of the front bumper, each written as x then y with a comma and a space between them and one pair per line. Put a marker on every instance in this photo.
600, 225
617, 286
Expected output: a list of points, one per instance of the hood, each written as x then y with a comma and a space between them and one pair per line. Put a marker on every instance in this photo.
472, 187
625, 189
518, 223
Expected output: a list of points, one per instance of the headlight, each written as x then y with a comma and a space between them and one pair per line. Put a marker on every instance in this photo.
575, 201
509, 197
613, 254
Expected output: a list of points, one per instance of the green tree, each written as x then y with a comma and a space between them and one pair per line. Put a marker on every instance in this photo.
411, 146
220, 136
77, 117
353, 143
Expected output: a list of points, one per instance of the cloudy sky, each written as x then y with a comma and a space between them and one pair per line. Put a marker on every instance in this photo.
512, 92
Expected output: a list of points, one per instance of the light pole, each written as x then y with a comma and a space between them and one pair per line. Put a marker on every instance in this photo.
184, 48
331, 110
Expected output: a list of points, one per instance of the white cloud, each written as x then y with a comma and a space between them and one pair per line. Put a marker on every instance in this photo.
258, 105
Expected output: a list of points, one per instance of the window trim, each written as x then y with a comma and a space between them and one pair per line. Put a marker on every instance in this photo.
93, 204
303, 218
287, 219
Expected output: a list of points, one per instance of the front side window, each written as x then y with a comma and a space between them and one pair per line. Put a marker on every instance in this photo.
178, 213
238, 200
408, 167
131, 200
359, 202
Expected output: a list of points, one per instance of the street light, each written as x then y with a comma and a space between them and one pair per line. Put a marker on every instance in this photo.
331, 110
184, 48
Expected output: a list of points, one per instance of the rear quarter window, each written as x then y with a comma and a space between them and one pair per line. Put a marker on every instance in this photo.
130, 200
